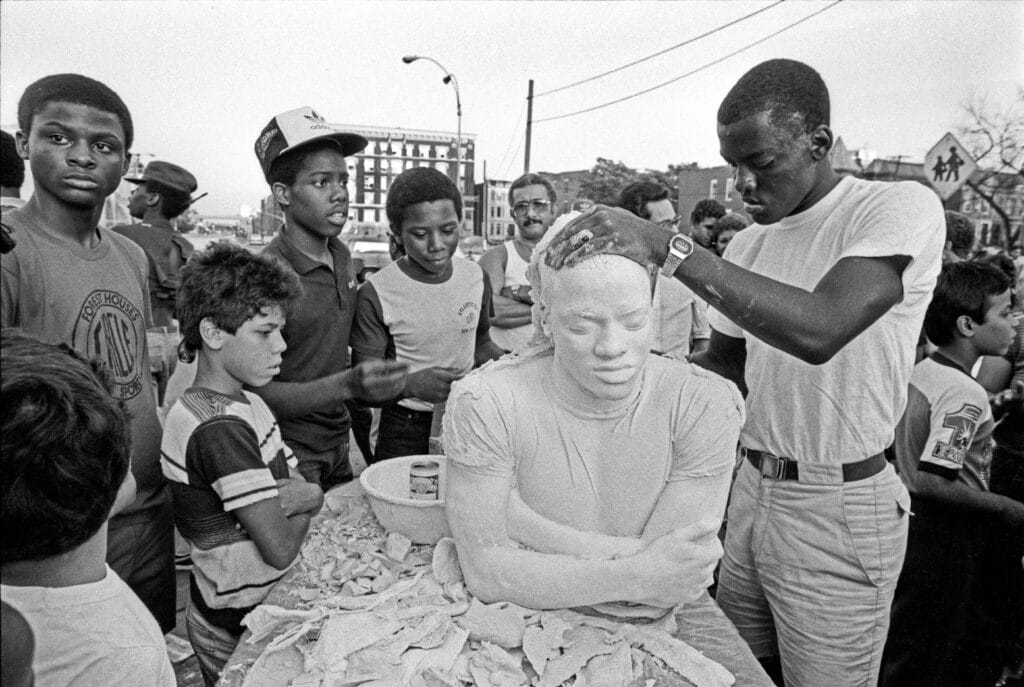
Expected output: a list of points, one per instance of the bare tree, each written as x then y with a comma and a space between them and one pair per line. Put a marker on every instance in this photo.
994, 135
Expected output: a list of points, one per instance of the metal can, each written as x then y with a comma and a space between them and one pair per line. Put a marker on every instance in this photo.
424, 480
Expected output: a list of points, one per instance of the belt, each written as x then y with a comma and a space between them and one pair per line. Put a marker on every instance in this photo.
779, 467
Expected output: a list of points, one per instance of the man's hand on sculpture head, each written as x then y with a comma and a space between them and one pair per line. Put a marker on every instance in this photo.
609, 230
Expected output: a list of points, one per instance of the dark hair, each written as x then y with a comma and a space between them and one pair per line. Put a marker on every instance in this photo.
531, 179
64, 448
729, 222
77, 90
637, 195
961, 290
1002, 262
12, 167
229, 285
791, 91
285, 168
419, 185
172, 201
959, 233
706, 208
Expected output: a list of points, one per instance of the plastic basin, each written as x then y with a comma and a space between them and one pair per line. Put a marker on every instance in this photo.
387, 489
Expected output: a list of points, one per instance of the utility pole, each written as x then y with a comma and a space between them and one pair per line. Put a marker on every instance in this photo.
529, 127
899, 158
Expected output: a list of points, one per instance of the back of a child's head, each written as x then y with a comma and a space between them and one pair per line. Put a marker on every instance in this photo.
229, 285
12, 167
959, 233
419, 185
961, 290
76, 90
64, 447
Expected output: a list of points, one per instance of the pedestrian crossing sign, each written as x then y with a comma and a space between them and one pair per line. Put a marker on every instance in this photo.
948, 166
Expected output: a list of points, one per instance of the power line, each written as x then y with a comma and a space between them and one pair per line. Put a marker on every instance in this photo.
519, 147
689, 73
660, 52
512, 138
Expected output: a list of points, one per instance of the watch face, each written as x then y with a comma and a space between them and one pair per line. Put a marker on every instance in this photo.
681, 244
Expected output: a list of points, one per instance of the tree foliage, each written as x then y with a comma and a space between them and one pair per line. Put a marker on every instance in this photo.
993, 133
606, 179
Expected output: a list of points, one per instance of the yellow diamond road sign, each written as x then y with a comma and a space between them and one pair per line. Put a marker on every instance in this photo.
948, 166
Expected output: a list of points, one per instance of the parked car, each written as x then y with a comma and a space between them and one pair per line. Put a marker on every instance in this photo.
368, 256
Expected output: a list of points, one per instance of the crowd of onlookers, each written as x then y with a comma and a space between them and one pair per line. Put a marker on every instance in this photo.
811, 311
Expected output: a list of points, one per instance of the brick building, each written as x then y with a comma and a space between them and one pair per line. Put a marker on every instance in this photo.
494, 216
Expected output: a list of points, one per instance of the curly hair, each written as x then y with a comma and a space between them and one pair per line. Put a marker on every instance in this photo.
637, 195
790, 91
531, 179
730, 222
77, 90
706, 208
229, 285
64, 448
961, 290
419, 185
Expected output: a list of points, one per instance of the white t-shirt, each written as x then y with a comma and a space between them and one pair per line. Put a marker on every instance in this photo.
846, 409
595, 471
679, 316
513, 338
92, 635
428, 325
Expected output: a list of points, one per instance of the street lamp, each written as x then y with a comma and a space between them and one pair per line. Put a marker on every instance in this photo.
448, 78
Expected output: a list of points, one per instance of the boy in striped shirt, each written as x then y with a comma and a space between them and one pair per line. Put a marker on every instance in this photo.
238, 499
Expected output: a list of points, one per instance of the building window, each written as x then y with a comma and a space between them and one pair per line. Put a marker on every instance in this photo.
713, 190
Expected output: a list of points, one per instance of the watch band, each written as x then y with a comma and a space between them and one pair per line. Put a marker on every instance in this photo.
680, 247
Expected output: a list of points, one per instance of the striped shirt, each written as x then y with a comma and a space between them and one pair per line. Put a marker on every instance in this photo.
221, 454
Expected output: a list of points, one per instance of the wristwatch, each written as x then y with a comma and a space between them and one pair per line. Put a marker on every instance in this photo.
680, 247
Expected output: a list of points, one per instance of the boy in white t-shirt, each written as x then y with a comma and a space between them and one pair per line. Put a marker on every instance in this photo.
429, 308
65, 456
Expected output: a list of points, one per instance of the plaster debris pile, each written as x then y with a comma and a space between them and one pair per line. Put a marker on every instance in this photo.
378, 612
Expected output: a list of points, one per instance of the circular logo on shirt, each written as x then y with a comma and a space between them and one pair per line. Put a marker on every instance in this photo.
109, 327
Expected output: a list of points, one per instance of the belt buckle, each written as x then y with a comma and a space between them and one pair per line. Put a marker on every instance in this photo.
773, 466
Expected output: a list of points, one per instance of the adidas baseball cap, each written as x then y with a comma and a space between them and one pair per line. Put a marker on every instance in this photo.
296, 128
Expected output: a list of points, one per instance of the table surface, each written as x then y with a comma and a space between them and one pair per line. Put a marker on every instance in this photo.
702, 624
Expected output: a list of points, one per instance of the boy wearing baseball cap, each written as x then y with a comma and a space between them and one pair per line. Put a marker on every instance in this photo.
163, 192
303, 160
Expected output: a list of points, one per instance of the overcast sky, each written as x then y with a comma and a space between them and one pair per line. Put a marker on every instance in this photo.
202, 78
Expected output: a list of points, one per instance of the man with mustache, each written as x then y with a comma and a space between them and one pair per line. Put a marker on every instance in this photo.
532, 198
816, 307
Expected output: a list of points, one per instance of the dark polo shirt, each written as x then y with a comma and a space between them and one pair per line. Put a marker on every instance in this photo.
317, 333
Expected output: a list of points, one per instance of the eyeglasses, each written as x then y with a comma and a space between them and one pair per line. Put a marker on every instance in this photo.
538, 206
669, 223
